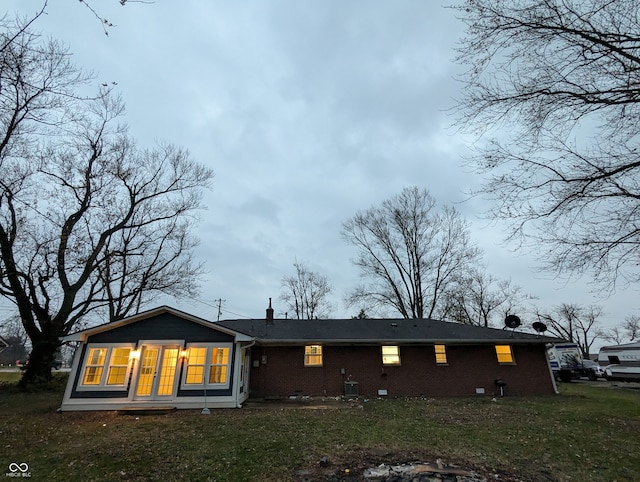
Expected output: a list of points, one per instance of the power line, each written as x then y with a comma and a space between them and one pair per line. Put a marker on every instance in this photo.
220, 308
237, 314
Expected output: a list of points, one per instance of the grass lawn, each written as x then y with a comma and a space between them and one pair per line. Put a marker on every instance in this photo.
588, 433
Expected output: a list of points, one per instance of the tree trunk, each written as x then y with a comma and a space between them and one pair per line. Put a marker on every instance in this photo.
41, 360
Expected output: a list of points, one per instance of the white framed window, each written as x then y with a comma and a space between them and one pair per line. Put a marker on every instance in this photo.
194, 372
118, 367
106, 367
391, 355
313, 356
219, 365
207, 364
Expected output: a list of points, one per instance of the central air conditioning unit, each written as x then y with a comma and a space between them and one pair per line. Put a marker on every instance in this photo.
350, 389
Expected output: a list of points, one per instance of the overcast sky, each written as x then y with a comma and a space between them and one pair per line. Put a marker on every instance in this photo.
307, 112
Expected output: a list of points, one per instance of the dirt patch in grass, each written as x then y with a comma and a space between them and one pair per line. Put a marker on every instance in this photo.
353, 464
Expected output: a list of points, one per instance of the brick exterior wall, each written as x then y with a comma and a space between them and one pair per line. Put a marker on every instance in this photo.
280, 371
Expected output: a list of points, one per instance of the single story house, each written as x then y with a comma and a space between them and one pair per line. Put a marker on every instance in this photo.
167, 358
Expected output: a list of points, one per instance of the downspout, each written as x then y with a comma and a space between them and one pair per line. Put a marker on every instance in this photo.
237, 389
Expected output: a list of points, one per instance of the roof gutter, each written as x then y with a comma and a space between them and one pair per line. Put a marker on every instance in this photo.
387, 341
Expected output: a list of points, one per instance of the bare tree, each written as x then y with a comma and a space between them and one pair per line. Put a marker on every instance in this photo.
408, 253
19, 26
629, 331
478, 298
28, 21
613, 335
11, 328
305, 293
632, 327
574, 323
89, 223
106, 23
552, 88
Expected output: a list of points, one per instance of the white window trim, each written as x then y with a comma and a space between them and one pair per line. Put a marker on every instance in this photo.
207, 368
102, 386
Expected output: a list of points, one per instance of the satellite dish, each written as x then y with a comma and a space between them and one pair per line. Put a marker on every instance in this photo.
539, 327
512, 321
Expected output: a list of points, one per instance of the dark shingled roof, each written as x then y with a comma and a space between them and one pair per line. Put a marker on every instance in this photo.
353, 331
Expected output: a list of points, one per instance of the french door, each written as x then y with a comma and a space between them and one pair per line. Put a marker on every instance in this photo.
157, 372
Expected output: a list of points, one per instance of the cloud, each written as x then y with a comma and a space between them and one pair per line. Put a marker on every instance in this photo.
307, 112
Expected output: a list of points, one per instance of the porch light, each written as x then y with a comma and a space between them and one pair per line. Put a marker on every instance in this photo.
134, 355
184, 354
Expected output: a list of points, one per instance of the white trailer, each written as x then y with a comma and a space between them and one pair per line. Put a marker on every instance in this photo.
565, 360
621, 362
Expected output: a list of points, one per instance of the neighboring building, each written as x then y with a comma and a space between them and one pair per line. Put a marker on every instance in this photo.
167, 358
12, 351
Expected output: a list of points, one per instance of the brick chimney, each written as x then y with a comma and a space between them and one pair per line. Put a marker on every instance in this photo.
269, 314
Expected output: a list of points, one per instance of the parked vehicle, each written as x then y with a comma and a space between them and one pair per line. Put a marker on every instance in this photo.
57, 364
592, 370
623, 361
565, 361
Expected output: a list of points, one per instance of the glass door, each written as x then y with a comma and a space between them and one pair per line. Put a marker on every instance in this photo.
157, 372
147, 371
166, 385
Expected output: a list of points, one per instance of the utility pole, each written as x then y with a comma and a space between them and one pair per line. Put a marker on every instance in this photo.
220, 301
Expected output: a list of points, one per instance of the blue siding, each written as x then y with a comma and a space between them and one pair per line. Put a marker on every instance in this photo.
165, 326
162, 327
107, 394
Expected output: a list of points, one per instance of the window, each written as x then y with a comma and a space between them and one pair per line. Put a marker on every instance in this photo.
313, 356
391, 355
118, 366
106, 367
195, 368
441, 354
218, 367
504, 354
210, 363
94, 366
